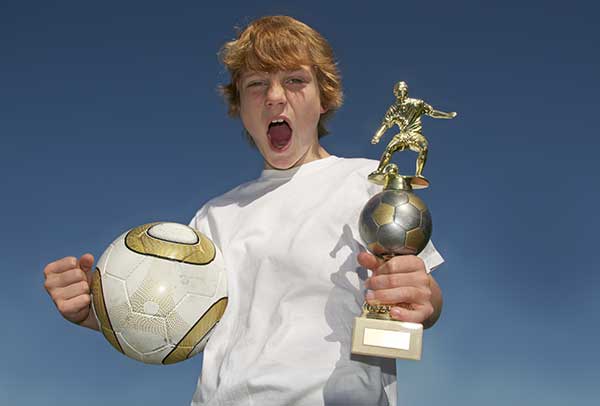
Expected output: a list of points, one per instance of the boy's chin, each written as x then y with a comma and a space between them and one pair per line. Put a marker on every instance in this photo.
282, 162
279, 165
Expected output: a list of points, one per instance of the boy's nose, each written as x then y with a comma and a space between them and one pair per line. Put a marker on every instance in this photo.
275, 95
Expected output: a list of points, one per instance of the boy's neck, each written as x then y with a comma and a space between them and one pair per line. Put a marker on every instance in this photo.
315, 153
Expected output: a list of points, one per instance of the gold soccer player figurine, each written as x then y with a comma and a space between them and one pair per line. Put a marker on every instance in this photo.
406, 113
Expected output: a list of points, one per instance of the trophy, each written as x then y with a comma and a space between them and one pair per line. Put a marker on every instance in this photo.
395, 222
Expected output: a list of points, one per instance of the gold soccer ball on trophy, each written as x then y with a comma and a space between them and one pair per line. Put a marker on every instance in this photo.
395, 222
158, 291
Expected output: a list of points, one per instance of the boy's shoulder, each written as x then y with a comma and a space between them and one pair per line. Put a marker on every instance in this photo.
358, 163
356, 166
233, 195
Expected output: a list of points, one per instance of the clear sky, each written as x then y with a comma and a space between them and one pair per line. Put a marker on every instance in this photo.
110, 118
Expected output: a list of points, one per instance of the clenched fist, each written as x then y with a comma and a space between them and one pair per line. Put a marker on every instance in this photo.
403, 282
68, 282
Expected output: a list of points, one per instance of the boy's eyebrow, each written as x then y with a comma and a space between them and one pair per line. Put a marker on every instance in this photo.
246, 75
252, 73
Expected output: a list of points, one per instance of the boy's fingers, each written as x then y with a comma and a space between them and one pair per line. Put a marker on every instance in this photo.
61, 265
369, 261
414, 314
64, 279
405, 294
85, 262
74, 309
402, 264
73, 290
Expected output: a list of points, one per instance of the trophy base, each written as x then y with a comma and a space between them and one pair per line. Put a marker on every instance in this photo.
387, 338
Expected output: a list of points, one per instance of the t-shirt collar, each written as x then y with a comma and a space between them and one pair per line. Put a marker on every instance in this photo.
300, 170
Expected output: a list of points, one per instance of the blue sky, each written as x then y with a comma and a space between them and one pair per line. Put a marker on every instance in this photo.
110, 118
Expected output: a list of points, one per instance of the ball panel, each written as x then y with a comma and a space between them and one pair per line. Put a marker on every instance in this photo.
126, 261
177, 325
426, 224
149, 357
197, 333
407, 216
199, 280
158, 286
101, 313
128, 349
101, 264
391, 237
372, 203
156, 357
115, 295
187, 311
173, 232
367, 227
417, 202
415, 240
140, 241
383, 214
144, 333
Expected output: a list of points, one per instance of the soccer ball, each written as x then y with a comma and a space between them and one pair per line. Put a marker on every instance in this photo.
395, 222
158, 291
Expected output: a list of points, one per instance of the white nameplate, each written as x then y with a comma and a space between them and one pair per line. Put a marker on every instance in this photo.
387, 339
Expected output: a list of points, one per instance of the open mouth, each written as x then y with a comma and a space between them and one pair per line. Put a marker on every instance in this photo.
280, 135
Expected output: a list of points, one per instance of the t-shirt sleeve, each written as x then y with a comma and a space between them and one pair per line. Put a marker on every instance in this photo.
200, 214
205, 222
201, 222
431, 257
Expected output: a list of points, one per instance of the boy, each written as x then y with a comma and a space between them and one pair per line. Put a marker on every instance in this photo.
296, 273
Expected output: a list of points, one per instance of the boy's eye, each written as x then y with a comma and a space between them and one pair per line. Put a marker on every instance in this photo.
295, 81
255, 83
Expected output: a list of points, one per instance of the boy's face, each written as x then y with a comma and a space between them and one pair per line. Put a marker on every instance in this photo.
281, 112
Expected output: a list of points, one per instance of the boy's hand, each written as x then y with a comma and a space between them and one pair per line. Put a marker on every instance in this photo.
68, 282
401, 281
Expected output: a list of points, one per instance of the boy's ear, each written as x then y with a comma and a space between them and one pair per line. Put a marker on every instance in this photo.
324, 109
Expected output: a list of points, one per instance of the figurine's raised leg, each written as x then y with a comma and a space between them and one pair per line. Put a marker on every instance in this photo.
396, 144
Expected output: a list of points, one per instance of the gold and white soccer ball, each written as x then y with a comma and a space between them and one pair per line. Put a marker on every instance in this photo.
158, 291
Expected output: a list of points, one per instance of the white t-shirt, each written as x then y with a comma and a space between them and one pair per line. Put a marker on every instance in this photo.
290, 240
